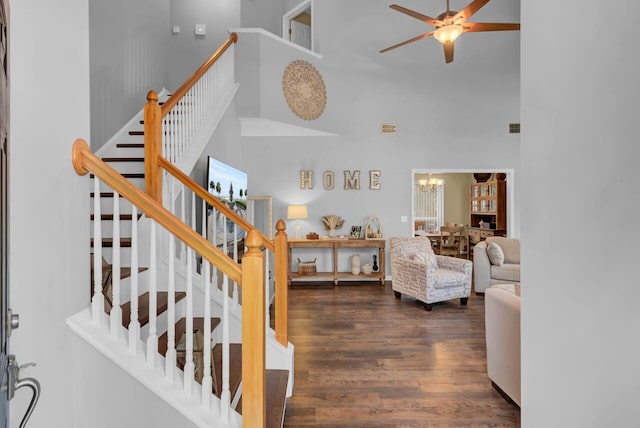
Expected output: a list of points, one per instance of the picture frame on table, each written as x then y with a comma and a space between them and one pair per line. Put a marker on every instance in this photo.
356, 232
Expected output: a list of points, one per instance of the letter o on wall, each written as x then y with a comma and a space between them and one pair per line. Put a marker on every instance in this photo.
328, 180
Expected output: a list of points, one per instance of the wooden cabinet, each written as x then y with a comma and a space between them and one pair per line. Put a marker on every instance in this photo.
476, 234
488, 204
334, 245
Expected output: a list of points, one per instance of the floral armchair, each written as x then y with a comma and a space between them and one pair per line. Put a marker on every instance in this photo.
419, 273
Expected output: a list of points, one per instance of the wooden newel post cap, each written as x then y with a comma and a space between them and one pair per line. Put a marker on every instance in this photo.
254, 241
152, 97
234, 37
281, 226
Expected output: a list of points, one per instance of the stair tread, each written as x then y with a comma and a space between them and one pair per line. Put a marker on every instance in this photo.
143, 306
181, 327
130, 145
108, 242
235, 367
136, 132
110, 216
276, 396
123, 159
276, 393
128, 175
104, 195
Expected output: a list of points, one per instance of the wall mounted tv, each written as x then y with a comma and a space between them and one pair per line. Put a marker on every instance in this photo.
228, 184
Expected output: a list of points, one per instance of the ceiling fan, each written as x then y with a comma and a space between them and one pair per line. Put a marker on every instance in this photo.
450, 25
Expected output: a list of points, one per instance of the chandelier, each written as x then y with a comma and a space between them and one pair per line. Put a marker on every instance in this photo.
430, 184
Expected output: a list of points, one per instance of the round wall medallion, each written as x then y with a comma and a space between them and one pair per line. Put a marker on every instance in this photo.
304, 90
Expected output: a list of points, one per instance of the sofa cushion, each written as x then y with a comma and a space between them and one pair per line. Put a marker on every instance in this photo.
506, 272
427, 258
510, 248
496, 256
447, 278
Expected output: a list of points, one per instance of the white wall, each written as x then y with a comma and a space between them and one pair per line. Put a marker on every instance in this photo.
116, 398
433, 133
129, 57
189, 51
49, 232
263, 14
580, 348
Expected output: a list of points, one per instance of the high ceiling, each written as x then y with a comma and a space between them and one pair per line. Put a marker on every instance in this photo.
361, 28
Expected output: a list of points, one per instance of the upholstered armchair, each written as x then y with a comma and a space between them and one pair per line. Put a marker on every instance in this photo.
419, 273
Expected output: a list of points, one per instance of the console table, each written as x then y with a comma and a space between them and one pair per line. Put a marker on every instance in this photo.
334, 244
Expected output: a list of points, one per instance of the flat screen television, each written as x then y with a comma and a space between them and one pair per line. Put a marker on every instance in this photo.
228, 184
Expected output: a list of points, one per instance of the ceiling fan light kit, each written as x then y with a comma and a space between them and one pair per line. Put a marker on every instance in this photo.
449, 25
448, 33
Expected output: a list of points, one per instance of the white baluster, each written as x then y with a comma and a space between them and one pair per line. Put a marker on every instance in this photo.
116, 310
207, 381
152, 340
236, 303
225, 397
134, 324
97, 302
189, 366
170, 356
183, 247
214, 241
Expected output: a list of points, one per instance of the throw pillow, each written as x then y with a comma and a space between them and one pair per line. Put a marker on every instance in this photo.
495, 253
427, 258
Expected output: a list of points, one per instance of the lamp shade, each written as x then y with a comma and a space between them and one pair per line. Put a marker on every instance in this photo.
297, 212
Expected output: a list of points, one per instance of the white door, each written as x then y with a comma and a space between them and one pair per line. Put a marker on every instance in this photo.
301, 34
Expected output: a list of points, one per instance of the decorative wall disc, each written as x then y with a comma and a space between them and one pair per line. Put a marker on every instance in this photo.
304, 90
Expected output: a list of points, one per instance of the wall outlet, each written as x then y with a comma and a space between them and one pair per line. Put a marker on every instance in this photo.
403, 219
201, 29
175, 29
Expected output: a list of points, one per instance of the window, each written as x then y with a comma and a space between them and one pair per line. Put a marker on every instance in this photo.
429, 206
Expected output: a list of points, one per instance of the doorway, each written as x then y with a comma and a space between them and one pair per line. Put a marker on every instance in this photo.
444, 196
297, 25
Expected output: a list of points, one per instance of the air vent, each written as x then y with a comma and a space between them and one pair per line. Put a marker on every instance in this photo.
389, 128
514, 128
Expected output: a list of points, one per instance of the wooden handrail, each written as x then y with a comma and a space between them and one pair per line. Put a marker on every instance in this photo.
211, 200
85, 161
177, 95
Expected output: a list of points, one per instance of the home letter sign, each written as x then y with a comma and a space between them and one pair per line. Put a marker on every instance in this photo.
328, 180
306, 179
352, 181
374, 179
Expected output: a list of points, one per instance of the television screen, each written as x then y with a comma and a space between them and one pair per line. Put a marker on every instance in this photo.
230, 186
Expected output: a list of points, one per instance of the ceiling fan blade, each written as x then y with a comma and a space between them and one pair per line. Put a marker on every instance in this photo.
471, 8
471, 27
406, 42
421, 17
448, 52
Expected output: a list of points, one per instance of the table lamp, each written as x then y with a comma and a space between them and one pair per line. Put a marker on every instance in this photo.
297, 213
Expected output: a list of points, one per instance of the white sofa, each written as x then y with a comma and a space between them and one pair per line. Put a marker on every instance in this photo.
502, 324
486, 273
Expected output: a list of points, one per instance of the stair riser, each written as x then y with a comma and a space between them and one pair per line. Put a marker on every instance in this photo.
107, 229
128, 167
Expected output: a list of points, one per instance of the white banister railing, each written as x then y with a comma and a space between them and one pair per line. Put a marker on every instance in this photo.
185, 118
97, 301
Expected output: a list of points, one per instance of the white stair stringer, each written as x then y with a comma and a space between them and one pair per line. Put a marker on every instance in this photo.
152, 378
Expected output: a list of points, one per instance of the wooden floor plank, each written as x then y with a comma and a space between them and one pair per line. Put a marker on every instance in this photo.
366, 359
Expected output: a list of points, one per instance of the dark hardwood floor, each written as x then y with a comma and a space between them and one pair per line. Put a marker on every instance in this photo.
366, 359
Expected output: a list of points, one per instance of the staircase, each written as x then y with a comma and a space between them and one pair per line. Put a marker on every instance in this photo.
181, 321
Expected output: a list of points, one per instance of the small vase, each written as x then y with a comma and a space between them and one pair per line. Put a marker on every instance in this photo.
331, 232
375, 264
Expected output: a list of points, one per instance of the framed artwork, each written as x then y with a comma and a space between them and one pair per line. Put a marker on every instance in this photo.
356, 231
